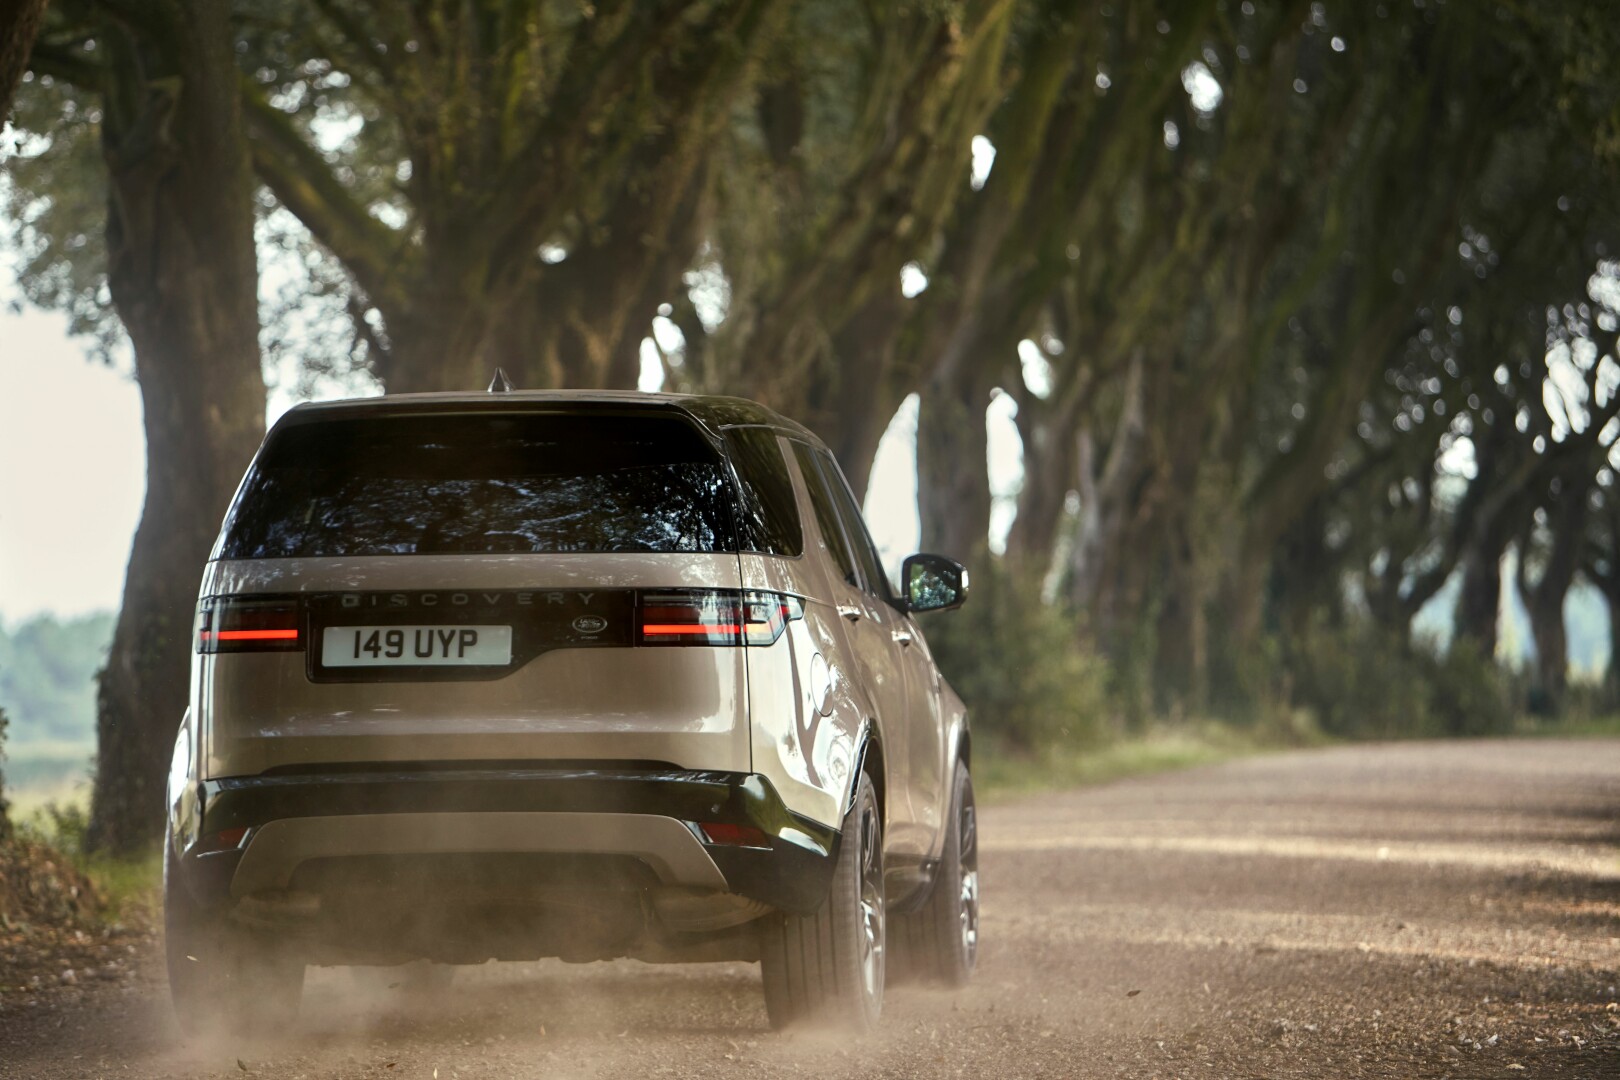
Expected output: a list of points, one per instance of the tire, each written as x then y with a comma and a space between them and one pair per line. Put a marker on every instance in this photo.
828, 967
939, 943
224, 981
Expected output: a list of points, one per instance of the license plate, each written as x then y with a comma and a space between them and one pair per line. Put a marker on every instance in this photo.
416, 646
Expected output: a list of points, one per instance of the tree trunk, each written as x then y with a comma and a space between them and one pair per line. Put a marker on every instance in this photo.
437, 343
852, 405
953, 475
182, 272
1183, 632
1611, 675
1545, 599
1552, 651
1117, 491
1479, 602
19, 23
1050, 451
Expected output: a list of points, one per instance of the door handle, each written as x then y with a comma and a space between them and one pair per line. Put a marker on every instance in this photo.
903, 637
850, 612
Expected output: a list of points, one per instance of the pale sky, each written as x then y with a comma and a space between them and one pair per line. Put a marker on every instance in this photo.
72, 470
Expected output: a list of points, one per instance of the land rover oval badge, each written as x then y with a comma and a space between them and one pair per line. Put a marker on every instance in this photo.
590, 624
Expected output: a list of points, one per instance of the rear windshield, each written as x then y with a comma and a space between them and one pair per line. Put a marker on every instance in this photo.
476, 483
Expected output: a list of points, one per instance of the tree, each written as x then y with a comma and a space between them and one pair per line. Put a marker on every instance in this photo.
18, 25
844, 172
518, 176
181, 270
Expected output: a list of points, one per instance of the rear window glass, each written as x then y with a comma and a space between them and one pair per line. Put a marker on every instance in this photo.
768, 519
477, 483
821, 501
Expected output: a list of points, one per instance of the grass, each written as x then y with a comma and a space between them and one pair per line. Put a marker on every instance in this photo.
133, 887
1573, 726
57, 815
1001, 775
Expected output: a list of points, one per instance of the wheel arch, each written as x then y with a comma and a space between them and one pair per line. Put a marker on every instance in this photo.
869, 758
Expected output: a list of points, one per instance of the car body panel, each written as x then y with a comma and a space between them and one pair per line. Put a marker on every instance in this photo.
683, 706
807, 752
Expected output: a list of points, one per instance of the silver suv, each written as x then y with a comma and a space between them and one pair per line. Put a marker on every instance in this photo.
579, 675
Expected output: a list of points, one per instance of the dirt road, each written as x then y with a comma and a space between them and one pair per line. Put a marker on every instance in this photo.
1390, 911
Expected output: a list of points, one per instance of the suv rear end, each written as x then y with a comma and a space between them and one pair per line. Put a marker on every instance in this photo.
473, 682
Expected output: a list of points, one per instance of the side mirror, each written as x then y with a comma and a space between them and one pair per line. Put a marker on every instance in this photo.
934, 583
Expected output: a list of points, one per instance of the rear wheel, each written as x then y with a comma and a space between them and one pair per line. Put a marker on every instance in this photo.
940, 942
828, 966
223, 980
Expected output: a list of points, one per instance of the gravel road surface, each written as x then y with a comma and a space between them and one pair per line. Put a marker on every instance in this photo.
1413, 910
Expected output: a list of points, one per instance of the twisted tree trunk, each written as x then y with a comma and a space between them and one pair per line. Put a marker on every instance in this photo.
183, 275
953, 475
1544, 599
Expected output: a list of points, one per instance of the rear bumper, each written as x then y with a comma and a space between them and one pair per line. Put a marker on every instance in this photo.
649, 816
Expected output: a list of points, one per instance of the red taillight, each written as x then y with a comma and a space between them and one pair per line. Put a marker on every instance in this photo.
255, 635
727, 835
689, 618
224, 840
713, 617
236, 624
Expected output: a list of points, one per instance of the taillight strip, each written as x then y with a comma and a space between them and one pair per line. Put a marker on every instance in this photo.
249, 624
691, 628
718, 617
251, 635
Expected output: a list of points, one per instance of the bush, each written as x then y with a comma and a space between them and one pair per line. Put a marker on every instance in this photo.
1470, 694
1020, 665
1361, 680
62, 827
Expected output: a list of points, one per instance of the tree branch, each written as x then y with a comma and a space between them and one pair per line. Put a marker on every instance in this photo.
303, 182
69, 67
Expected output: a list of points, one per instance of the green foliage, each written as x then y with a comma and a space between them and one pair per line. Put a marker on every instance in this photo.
55, 846
1161, 748
47, 677
1470, 694
61, 826
1362, 681
1020, 665
53, 191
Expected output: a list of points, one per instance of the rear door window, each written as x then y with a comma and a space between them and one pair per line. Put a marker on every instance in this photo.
821, 501
483, 482
768, 515
849, 512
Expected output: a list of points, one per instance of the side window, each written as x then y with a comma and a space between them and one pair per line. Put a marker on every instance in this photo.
768, 519
821, 500
877, 583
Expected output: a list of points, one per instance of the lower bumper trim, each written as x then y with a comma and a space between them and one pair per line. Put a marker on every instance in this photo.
644, 814
668, 847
